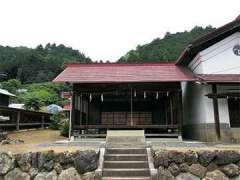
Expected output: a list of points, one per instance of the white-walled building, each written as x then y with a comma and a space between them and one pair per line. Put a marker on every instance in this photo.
211, 105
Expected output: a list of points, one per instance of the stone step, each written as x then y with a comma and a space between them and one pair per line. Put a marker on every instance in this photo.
125, 157
126, 151
126, 164
107, 172
127, 178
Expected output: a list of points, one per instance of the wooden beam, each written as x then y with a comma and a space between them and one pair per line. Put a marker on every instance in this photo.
111, 126
216, 112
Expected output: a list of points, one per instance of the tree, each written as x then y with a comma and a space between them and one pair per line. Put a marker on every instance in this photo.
165, 49
11, 85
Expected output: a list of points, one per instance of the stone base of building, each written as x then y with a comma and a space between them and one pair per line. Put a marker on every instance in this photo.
207, 132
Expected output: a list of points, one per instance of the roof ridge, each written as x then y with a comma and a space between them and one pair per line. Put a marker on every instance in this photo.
121, 64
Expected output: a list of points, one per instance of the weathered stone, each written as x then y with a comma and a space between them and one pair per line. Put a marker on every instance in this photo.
161, 159
191, 157
184, 167
212, 166
6, 163
206, 157
46, 176
230, 170
70, 173
11, 141
48, 165
24, 161
64, 159
41, 161
164, 174
215, 175
187, 176
176, 156
34, 159
88, 176
227, 157
41, 176
86, 161
198, 170
174, 169
16, 174
52, 175
33, 172
58, 168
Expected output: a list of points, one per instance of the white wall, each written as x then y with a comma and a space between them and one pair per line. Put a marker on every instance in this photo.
218, 58
197, 108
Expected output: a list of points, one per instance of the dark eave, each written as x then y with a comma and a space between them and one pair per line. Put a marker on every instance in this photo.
206, 41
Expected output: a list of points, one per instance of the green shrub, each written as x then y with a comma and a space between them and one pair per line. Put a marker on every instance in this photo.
64, 128
55, 121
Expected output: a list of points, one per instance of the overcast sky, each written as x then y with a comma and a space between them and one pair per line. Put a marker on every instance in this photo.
106, 29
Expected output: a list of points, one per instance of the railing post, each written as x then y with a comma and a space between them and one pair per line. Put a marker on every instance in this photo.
18, 120
42, 123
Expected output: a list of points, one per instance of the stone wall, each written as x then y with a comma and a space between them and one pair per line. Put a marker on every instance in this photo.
190, 165
78, 165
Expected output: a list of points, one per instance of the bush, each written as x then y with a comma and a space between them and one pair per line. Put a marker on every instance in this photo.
55, 121
64, 128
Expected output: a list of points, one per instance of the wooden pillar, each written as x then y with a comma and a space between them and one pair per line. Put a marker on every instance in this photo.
171, 109
216, 112
18, 120
131, 108
72, 113
42, 122
180, 114
80, 108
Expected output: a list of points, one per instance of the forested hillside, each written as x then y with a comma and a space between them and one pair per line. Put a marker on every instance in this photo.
165, 49
40, 64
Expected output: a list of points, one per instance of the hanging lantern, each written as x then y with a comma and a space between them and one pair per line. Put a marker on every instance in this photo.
157, 95
135, 93
144, 95
90, 97
167, 94
102, 97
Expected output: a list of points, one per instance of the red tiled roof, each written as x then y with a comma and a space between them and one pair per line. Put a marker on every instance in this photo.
111, 73
222, 78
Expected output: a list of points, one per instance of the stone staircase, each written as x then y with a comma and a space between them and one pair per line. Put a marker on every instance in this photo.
126, 156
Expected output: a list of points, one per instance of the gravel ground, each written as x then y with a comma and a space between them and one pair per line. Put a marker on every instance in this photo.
156, 143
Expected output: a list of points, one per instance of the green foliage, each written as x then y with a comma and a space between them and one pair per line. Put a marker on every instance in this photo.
32, 102
166, 49
36, 99
64, 128
49, 155
43, 94
37, 65
55, 122
11, 85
